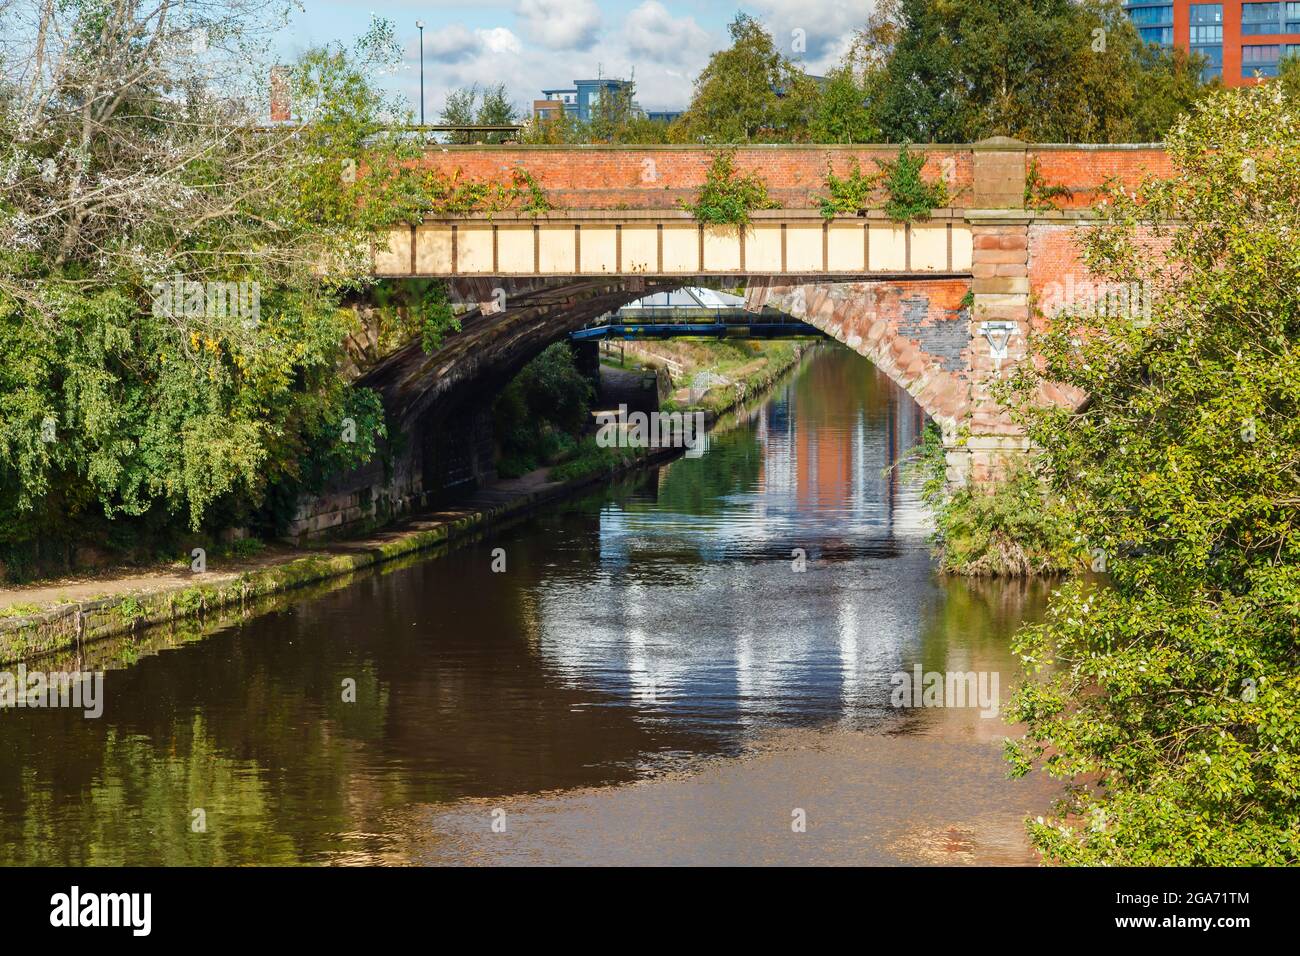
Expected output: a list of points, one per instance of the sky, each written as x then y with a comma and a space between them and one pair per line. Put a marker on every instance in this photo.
531, 44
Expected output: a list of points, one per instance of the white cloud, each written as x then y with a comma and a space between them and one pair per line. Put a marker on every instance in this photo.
826, 25
454, 43
665, 52
499, 40
561, 24
448, 44
653, 33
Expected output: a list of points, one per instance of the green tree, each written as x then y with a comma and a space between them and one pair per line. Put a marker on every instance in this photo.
615, 118
749, 92
611, 114
844, 113
1042, 70
470, 106
1170, 697
558, 128
540, 415
847, 104
458, 110
1288, 75
495, 109
171, 273
1168, 84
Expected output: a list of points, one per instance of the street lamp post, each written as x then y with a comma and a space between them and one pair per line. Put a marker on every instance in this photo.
419, 25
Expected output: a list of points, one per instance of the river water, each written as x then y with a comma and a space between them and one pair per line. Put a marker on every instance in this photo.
695, 665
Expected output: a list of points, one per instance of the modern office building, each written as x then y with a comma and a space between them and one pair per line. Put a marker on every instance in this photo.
1241, 41
580, 99
577, 100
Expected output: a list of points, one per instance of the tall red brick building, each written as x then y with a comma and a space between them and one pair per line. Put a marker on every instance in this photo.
1240, 40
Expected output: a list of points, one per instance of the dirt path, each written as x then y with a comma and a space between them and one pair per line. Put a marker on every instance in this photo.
124, 582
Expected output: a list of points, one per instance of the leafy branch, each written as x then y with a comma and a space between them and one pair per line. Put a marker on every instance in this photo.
850, 194
910, 197
456, 194
1039, 194
728, 197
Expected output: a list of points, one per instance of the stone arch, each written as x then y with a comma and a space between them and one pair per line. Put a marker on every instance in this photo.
439, 424
918, 332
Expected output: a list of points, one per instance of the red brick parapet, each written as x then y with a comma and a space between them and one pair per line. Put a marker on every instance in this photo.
662, 177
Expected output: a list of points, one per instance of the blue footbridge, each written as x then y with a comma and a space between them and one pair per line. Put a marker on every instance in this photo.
694, 312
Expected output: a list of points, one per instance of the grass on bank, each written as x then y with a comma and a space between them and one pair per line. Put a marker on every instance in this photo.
1007, 530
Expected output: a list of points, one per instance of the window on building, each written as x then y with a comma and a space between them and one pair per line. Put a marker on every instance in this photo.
1260, 59
1207, 37
1262, 19
1154, 21
1152, 16
1206, 34
1259, 19
1161, 36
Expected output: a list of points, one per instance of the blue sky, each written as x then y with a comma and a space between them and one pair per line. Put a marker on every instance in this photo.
529, 44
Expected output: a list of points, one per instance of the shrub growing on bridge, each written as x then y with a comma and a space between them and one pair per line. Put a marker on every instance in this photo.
728, 197
848, 194
910, 197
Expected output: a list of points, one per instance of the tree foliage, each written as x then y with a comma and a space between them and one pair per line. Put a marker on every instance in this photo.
1005, 530
615, 119
1288, 75
843, 110
1171, 697
849, 194
1041, 70
749, 92
135, 165
728, 196
910, 195
470, 106
936, 71
541, 414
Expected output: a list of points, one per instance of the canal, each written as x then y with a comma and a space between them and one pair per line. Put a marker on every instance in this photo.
691, 666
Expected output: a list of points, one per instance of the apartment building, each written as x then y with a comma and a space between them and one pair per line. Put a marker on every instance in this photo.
1241, 41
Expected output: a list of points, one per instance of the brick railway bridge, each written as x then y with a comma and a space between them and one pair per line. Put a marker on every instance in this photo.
941, 306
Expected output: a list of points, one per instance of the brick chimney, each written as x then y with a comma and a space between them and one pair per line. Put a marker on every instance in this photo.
279, 94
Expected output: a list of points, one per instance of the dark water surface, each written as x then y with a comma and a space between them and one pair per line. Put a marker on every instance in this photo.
632, 632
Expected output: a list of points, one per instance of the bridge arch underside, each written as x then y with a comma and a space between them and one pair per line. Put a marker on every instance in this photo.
917, 331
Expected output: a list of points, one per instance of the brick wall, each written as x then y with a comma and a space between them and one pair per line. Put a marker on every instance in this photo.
1057, 272
1084, 170
659, 177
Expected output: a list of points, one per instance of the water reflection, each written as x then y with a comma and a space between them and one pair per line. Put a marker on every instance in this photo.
649, 623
